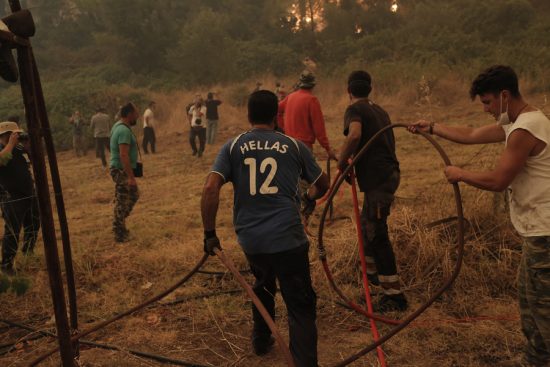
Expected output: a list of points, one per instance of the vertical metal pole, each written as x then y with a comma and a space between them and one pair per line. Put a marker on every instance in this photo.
60, 203
46, 215
25, 63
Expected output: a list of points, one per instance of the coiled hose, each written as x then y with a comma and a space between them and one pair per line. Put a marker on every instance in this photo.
399, 325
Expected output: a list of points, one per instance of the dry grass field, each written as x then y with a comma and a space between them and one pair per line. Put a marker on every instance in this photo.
166, 240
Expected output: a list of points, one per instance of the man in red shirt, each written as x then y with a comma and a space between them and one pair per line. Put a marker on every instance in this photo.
301, 116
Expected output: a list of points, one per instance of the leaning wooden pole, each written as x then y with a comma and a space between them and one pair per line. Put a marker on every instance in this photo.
26, 71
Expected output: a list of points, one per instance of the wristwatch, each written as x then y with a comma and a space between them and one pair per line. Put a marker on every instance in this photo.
432, 124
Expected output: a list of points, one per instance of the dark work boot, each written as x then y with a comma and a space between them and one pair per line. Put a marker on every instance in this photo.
262, 345
389, 303
373, 279
122, 236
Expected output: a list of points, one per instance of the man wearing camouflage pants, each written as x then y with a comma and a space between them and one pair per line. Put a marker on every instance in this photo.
523, 169
124, 155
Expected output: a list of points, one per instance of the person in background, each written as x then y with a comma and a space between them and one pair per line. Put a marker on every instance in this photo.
212, 117
301, 118
149, 127
100, 124
280, 91
117, 114
124, 157
302, 115
362, 120
265, 167
258, 86
79, 139
523, 169
17, 195
188, 106
197, 116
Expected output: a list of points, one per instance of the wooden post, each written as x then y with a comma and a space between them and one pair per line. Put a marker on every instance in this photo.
27, 75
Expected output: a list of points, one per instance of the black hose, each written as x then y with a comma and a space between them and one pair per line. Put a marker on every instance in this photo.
154, 357
399, 325
141, 306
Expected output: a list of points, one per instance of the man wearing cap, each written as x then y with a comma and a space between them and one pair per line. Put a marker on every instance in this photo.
17, 196
101, 127
302, 115
378, 178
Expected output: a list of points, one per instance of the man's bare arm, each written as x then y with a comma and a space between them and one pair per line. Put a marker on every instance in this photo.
124, 150
210, 200
319, 187
519, 147
464, 135
350, 145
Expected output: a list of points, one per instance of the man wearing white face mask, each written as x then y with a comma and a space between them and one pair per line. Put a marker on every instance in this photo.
524, 169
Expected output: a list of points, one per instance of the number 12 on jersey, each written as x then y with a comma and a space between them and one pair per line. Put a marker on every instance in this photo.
265, 189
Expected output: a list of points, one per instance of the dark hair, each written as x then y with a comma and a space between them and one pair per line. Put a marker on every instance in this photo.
127, 109
262, 107
152, 103
359, 83
13, 119
210, 95
494, 80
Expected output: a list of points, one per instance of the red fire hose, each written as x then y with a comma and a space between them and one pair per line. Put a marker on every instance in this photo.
399, 325
361, 244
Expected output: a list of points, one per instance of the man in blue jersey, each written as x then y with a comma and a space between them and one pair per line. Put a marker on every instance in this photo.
265, 168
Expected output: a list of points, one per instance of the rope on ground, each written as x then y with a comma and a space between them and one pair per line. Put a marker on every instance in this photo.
220, 273
399, 325
154, 357
441, 321
198, 296
445, 221
11, 346
152, 300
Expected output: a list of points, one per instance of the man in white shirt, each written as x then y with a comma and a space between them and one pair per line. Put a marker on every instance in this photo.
100, 125
524, 170
149, 137
197, 121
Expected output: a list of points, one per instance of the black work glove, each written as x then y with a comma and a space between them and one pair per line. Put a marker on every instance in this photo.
308, 206
211, 241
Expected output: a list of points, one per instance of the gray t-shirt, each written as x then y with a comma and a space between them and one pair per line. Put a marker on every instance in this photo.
101, 125
265, 168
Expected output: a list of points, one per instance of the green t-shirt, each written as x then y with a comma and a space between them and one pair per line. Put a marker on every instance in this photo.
122, 134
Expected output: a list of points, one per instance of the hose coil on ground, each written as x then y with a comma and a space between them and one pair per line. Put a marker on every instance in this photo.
399, 325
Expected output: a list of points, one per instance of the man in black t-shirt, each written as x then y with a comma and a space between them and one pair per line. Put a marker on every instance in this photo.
17, 196
378, 178
212, 117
